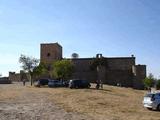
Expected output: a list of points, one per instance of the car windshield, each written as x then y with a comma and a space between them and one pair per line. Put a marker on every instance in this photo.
56, 81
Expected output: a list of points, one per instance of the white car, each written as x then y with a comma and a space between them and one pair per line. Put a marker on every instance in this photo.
152, 101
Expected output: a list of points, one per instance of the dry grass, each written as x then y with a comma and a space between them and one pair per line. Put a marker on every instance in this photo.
8, 94
111, 103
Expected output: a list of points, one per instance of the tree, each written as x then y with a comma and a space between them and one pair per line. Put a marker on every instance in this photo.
63, 69
149, 81
28, 64
74, 55
40, 70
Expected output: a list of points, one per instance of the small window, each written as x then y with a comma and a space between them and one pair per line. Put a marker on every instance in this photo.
48, 54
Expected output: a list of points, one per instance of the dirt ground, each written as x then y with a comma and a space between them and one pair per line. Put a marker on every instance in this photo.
111, 103
23, 103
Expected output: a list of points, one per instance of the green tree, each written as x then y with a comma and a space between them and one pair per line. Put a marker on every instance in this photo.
149, 81
28, 64
39, 70
63, 69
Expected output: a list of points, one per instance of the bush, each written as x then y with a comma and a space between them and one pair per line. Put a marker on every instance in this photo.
149, 81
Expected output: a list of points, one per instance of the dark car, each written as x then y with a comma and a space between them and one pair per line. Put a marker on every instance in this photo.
55, 83
42, 82
5, 81
79, 84
66, 83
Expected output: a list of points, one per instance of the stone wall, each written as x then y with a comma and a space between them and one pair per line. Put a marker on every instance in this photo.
139, 74
18, 77
117, 71
50, 52
119, 77
82, 69
121, 63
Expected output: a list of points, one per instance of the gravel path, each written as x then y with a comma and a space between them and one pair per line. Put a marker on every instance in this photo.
32, 106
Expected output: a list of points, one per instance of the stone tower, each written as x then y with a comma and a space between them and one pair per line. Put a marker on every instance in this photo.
50, 52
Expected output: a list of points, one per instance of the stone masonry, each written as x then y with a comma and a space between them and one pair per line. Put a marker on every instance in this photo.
119, 70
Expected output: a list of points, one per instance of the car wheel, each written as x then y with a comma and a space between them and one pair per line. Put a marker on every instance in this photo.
70, 87
149, 108
158, 107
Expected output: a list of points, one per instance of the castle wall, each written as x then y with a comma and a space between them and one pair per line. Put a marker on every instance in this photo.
122, 63
82, 70
117, 71
16, 77
119, 77
139, 72
91, 76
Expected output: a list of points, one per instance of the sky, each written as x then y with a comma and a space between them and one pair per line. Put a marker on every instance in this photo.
115, 28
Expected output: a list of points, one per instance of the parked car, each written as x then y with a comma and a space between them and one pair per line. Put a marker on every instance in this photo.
66, 83
5, 81
41, 82
152, 101
55, 83
79, 84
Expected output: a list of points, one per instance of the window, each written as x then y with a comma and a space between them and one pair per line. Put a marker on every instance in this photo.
48, 54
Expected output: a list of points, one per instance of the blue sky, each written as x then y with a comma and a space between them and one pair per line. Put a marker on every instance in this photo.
111, 27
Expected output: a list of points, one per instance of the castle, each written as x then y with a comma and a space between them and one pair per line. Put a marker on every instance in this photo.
117, 71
